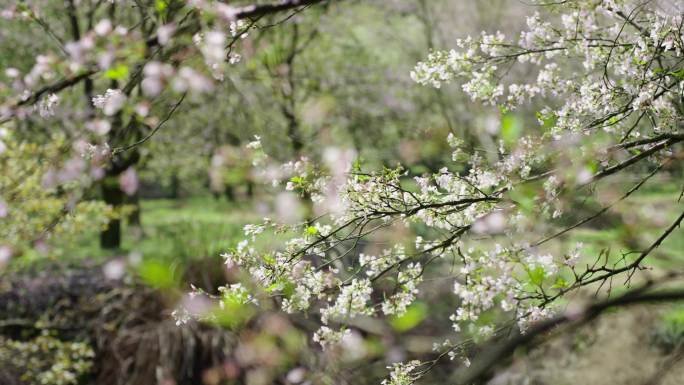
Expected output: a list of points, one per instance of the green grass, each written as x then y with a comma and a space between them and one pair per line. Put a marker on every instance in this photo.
669, 333
173, 232
645, 216
177, 234
190, 229
201, 209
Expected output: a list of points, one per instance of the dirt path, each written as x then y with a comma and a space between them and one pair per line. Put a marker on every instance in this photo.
616, 349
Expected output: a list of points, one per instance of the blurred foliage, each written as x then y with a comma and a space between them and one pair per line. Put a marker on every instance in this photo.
40, 202
669, 333
46, 360
413, 316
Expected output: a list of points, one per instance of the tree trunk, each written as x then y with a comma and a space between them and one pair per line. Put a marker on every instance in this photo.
250, 189
229, 193
175, 186
134, 217
110, 238
134, 221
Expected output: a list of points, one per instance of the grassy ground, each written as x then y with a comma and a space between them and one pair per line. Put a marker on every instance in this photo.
178, 229
639, 221
173, 233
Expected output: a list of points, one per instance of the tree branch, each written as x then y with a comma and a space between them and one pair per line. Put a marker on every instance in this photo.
500, 352
156, 128
257, 10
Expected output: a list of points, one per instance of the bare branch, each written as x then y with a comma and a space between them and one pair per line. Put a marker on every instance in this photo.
154, 130
257, 10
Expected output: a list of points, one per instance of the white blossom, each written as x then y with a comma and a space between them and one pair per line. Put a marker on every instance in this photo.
47, 105
111, 102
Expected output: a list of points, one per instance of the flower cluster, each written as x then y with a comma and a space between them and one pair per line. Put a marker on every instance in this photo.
47, 105
402, 373
619, 59
110, 102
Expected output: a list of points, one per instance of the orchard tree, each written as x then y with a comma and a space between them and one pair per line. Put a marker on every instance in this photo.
608, 100
315, 81
114, 72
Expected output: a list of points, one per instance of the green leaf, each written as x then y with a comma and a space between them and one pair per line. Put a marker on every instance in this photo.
288, 288
524, 196
119, 72
273, 287
537, 275
560, 283
161, 6
157, 274
640, 62
593, 166
311, 230
675, 316
269, 260
679, 73
547, 121
356, 165
233, 314
511, 128
414, 315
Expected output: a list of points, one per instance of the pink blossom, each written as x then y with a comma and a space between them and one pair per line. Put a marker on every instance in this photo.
128, 181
